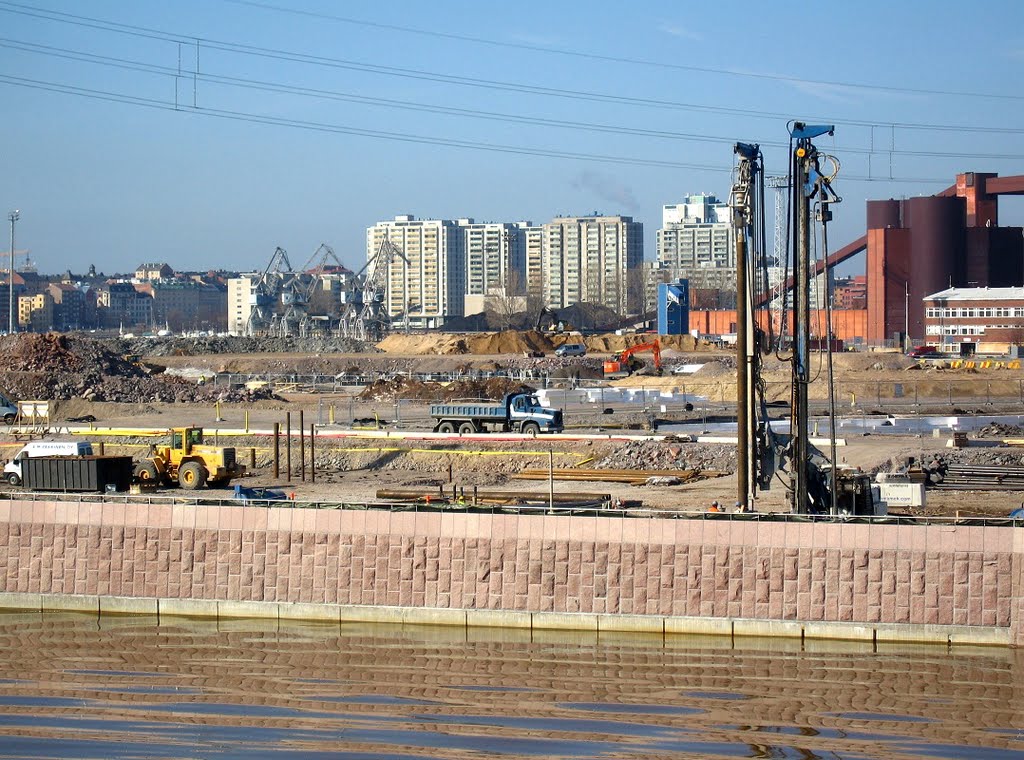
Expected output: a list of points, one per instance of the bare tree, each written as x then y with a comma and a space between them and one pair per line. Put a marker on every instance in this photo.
507, 300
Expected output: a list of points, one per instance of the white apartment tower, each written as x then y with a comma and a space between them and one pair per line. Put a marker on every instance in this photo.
587, 258
698, 242
429, 284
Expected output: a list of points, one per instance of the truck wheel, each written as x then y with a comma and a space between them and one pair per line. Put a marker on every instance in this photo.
8, 419
191, 476
146, 472
446, 427
467, 427
13, 479
531, 428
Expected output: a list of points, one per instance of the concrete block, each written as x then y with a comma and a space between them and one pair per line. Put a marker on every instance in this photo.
560, 621
773, 628
839, 631
247, 609
924, 634
305, 611
70, 603
631, 623
127, 605
357, 613
499, 619
194, 608
12, 600
980, 635
434, 616
702, 626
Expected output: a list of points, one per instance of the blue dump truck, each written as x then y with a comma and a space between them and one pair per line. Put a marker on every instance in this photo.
518, 413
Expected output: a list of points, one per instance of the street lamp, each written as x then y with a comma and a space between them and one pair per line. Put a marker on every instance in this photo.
13, 216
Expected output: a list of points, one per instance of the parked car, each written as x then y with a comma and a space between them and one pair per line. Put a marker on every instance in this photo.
571, 349
925, 352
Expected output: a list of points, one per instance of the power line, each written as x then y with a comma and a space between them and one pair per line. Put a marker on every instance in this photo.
424, 75
277, 87
623, 59
153, 103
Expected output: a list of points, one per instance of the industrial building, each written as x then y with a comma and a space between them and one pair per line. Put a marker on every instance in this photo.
975, 320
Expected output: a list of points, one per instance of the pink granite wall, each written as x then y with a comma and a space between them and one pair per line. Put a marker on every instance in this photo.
785, 571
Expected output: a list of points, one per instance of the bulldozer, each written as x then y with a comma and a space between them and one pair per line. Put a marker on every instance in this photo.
190, 463
624, 363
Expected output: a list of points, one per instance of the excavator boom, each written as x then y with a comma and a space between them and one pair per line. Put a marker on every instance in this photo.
621, 366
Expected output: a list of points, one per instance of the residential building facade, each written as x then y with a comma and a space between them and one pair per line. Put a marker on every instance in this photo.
588, 258
427, 283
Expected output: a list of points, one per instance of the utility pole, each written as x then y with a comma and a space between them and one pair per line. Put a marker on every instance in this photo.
13, 216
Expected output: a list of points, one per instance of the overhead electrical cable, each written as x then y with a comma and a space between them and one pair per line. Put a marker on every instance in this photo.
424, 75
632, 61
289, 89
380, 134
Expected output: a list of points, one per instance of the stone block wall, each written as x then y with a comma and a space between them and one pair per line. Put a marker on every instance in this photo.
936, 575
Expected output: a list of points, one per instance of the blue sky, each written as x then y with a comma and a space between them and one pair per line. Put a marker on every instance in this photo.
661, 87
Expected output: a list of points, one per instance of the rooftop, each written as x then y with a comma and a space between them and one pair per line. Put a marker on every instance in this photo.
978, 294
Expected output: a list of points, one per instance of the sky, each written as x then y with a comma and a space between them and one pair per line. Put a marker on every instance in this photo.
206, 133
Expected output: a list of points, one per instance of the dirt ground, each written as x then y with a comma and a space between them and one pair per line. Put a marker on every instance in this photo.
356, 469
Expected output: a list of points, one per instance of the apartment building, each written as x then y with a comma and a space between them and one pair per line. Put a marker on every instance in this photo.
428, 283
695, 236
588, 258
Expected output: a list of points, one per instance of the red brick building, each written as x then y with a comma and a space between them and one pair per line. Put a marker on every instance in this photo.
969, 320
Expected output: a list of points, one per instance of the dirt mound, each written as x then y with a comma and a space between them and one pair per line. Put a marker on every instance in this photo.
507, 342
611, 343
866, 362
510, 342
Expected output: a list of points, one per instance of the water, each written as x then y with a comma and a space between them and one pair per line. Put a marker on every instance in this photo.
74, 686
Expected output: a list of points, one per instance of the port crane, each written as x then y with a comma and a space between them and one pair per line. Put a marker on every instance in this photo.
366, 314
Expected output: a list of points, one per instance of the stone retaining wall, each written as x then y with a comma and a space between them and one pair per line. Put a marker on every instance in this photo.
676, 574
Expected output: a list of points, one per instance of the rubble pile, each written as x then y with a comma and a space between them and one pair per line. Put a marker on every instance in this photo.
493, 388
230, 344
664, 455
54, 366
1000, 430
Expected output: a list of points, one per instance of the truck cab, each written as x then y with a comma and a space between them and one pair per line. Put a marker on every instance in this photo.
527, 414
12, 470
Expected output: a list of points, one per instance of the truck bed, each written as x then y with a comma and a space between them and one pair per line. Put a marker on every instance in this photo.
469, 411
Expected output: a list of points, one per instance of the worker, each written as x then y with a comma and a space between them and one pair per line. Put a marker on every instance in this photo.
713, 507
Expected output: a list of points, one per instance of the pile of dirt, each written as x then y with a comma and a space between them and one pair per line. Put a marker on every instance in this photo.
54, 367
612, 343
493, 388
507, 342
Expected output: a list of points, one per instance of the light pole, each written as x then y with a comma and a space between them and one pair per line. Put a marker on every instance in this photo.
13, 216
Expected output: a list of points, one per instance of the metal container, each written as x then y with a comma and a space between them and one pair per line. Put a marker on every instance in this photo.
95, 473
883, 215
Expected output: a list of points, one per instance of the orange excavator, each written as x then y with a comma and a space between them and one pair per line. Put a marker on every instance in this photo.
624, 364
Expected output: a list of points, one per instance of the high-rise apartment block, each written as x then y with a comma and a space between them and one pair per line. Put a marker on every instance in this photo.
451, 268
588, 258
697, 242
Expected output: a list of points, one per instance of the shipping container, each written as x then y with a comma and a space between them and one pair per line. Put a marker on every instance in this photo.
96, 473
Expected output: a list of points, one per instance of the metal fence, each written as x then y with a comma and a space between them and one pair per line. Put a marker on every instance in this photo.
517, 509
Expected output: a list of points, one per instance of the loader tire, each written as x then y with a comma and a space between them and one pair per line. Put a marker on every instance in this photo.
191, 476
146, 472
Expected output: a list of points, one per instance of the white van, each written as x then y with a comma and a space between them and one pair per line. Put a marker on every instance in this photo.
571, 349
8, 410
12, 470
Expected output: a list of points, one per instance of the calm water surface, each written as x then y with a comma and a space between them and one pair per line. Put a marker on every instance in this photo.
77, 686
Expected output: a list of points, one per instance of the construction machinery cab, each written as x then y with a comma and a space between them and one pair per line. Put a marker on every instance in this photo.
184, 439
